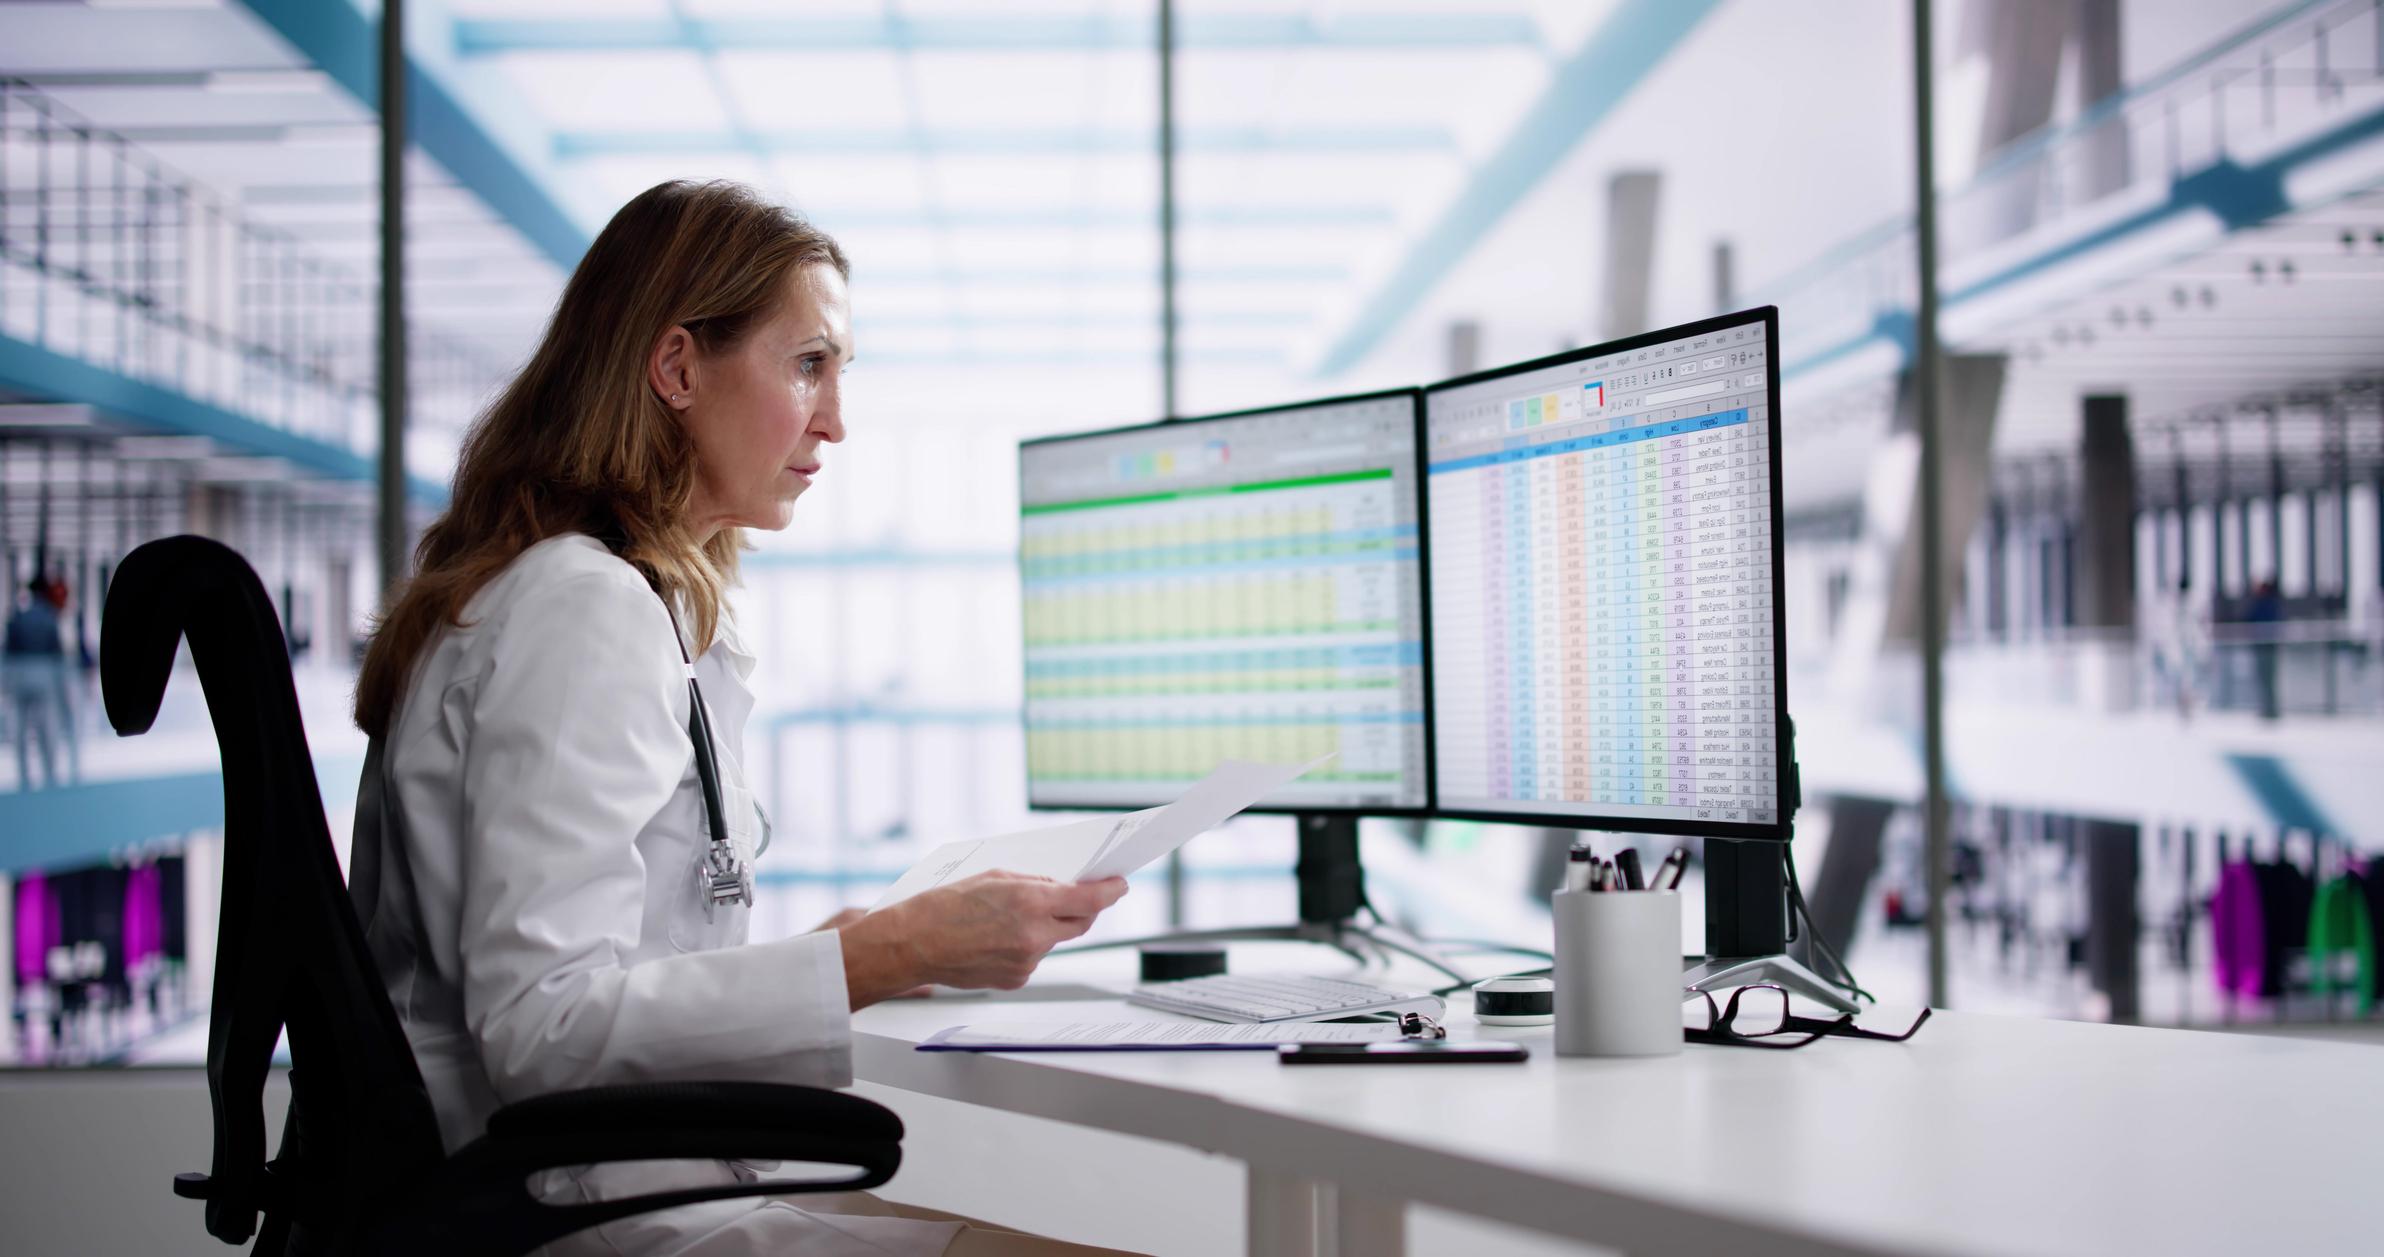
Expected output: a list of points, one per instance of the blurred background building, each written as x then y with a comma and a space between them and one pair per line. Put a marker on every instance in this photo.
2163, 305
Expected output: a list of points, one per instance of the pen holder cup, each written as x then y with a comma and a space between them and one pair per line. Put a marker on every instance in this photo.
1618, 983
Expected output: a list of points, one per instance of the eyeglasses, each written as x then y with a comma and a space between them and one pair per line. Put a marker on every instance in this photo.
1758, 1016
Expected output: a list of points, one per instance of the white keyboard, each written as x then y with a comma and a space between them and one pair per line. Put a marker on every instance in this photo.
1229, 997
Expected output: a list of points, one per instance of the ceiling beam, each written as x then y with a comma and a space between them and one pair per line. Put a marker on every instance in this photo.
1581, 91
1009, 32
444, 118
1054, 142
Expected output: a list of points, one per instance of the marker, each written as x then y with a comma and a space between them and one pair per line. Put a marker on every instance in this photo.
1577, 868
1626, 863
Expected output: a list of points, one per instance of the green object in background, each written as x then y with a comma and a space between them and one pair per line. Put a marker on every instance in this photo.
2339, 924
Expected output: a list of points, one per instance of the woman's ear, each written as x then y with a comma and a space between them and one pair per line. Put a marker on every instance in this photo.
671, 370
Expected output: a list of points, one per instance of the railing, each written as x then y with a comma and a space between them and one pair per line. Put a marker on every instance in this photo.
2182, 664
110, 258
2297, 74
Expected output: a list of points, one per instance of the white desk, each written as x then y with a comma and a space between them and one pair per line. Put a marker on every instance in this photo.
1984, 1135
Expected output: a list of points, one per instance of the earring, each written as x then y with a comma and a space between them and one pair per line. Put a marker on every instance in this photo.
674, 397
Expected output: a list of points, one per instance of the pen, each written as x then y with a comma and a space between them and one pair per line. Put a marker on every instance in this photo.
1626, 864
1668, 873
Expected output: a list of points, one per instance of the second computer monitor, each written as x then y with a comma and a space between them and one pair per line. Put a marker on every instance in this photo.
1246, 586
1603, 549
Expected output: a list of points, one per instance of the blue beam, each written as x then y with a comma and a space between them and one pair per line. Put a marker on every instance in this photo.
878, 557
1075, 218
50, 376
1585, 87
1235, 358
1060, 276
345, 44
2274, 785
1058, 141
2237, 196
1006, 33
77, 826
958, 320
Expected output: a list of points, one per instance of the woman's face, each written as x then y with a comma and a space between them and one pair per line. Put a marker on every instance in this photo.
760, 411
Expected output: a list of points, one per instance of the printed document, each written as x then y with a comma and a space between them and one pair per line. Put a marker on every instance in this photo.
1128, 1036
1104, 846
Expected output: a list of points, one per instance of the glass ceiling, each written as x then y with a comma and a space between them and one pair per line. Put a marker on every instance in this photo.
995, 176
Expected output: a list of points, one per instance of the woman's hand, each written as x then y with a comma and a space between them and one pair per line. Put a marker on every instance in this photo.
843, 918
990, 930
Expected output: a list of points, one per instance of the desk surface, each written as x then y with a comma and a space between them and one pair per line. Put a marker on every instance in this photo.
1984, 1135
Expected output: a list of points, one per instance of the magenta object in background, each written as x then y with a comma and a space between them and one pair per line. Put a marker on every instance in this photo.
36, 929
144, 915
2239, 931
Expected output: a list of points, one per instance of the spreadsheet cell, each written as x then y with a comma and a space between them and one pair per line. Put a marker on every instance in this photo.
1602, 585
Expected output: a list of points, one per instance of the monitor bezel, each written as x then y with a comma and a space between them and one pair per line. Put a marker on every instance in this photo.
1415, 400
1782, 829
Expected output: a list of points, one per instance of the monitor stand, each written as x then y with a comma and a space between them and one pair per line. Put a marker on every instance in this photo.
1746, 926
1332, 888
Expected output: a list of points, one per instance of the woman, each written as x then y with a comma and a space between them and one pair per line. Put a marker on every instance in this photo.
531, 856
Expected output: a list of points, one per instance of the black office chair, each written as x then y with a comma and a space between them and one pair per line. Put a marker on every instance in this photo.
361, 1168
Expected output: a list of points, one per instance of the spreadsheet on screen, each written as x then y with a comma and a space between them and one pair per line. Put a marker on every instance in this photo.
1600, 556
1243, 586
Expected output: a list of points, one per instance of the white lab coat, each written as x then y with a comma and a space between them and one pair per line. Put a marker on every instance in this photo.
526, 840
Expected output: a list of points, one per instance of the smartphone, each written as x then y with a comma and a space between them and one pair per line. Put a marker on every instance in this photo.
1422, 1052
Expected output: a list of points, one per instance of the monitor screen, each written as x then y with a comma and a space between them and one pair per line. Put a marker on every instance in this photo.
1603, 542
1245, 587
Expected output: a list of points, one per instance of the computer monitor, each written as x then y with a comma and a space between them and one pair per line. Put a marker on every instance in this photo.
1238, 586
1602, 537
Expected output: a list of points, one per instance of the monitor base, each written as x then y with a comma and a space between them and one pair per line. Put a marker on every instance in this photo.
1720, 973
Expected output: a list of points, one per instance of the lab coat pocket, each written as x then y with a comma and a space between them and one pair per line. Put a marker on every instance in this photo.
691, 928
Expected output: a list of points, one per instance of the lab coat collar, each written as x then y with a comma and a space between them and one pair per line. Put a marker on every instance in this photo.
730, 643
725, 637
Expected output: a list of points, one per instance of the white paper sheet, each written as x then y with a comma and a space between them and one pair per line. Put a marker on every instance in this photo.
1104, 846
1112, 1036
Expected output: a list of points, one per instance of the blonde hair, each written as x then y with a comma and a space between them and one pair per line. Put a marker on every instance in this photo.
579, 442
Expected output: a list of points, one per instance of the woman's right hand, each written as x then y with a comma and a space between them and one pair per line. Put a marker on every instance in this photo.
990, 930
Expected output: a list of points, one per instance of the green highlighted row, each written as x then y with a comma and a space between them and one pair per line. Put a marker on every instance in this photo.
1133, 499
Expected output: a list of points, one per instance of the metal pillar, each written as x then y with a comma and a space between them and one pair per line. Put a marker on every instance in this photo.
1167, 320
1725, 279
1926, 408
2340, 422
1465, 348
2113, 853
1167, 311
2276, 503
392, 530
1630, 251
2107, 510
2099, 77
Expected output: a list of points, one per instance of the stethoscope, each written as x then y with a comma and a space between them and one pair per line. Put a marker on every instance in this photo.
721, 878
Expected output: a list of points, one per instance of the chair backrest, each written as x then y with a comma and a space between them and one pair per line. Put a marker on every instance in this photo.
290, 953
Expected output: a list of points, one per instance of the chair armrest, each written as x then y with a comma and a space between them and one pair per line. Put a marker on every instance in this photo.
664, 1106
478, 1200
713, 1120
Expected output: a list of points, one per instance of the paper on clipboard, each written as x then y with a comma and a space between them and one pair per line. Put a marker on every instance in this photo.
1104, 846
